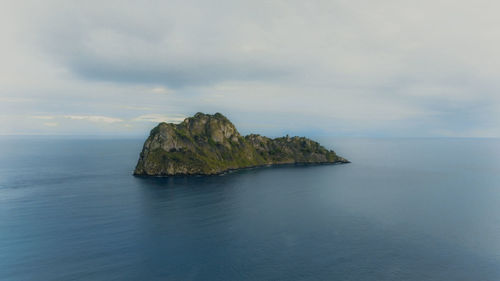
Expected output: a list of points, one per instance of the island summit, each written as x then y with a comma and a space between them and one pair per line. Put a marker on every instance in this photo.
210, 144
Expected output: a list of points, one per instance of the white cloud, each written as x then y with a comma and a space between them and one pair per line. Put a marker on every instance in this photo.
94, 118
161, 90
140, 108
158, 118
51, 124
43, 117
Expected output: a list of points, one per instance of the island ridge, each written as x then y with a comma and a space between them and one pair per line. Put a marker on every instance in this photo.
210, 144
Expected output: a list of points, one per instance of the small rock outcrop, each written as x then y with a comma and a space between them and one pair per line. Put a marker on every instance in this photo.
210, 144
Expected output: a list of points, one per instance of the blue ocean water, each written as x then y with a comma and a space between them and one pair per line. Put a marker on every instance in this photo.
404, 209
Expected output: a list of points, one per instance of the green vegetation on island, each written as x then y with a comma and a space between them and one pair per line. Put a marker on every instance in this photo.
210, 144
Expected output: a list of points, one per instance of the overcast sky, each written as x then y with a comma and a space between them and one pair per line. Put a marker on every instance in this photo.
393, 68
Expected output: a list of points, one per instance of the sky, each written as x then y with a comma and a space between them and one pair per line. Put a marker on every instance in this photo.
387, 68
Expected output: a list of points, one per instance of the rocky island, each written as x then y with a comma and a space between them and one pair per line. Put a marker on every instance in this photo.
210, 144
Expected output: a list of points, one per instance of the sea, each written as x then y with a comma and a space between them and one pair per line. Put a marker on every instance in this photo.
404, 209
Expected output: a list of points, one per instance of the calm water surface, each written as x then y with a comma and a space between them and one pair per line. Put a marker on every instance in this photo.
405, 209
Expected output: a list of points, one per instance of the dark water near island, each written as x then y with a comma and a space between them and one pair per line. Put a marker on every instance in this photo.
405, 209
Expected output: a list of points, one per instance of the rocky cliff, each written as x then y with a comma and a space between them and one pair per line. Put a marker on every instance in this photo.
210, 144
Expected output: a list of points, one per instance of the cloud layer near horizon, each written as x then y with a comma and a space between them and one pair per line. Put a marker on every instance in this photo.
355, 68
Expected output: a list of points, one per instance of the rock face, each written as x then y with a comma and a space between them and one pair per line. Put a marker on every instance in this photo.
210, 144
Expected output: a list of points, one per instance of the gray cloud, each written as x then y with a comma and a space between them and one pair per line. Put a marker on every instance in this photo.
171, 74
172, 49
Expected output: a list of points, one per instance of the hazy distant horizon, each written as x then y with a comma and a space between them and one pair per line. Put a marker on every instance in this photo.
314, 137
